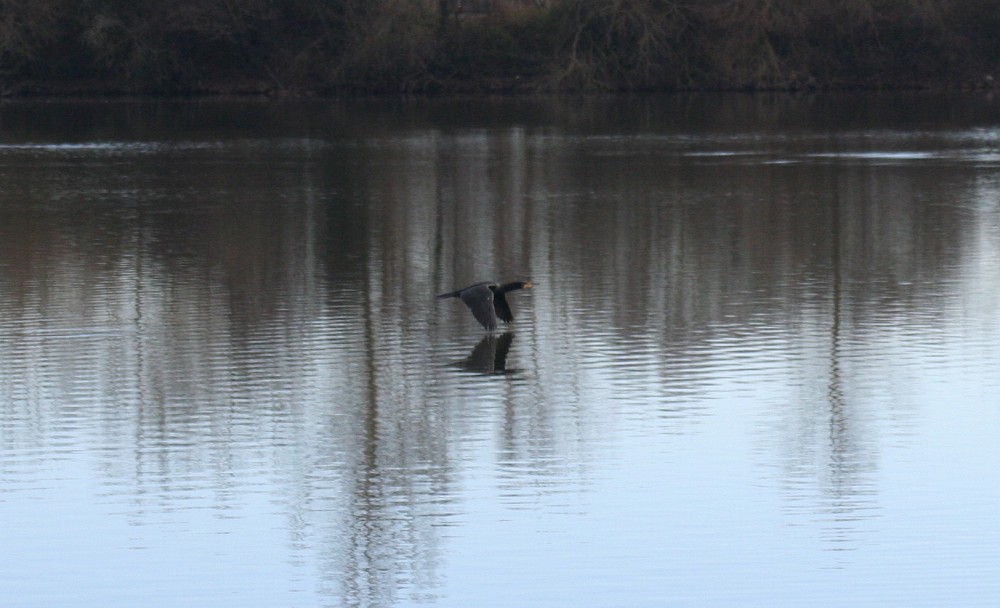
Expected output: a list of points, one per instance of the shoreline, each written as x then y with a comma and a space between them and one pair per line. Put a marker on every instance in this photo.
56, 90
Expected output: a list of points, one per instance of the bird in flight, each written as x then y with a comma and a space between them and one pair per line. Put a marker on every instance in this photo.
488, 301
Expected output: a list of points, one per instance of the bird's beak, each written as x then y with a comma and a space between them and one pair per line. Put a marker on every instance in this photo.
528, 285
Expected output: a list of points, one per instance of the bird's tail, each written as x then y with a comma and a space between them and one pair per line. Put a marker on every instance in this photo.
450, 294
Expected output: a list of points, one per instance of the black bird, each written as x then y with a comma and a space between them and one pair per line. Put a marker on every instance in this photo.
487, 301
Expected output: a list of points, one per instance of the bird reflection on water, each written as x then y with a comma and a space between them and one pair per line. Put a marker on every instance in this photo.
489, 356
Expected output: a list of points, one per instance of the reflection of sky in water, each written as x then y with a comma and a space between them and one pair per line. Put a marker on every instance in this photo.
734, 383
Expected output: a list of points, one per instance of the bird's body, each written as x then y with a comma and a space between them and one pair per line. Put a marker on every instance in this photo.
488, 301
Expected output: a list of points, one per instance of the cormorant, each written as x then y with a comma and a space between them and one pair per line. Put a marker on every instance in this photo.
487, 301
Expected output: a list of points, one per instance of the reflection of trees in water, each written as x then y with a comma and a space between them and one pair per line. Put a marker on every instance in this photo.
397, 475
849, 472
252, 312
652, 252
626, 240
881, 258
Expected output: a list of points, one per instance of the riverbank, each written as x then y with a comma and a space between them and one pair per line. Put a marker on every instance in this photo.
305, 48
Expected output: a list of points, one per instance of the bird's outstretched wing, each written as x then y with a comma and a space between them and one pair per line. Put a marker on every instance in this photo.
502, 308
479, 299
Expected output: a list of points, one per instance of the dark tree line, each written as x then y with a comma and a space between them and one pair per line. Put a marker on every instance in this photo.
373, 46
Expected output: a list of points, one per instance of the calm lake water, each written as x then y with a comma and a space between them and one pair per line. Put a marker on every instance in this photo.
760, 365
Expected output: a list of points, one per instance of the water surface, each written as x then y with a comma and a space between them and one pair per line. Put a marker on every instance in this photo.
759, 366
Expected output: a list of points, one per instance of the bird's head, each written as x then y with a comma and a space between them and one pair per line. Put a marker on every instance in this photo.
514, 286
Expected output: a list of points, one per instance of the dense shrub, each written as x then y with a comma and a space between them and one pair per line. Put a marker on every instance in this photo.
427, 45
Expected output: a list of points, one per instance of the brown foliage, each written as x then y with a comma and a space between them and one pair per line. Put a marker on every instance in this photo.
27, 28
417, 45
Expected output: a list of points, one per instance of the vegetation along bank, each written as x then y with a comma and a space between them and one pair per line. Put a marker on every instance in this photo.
439, 46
